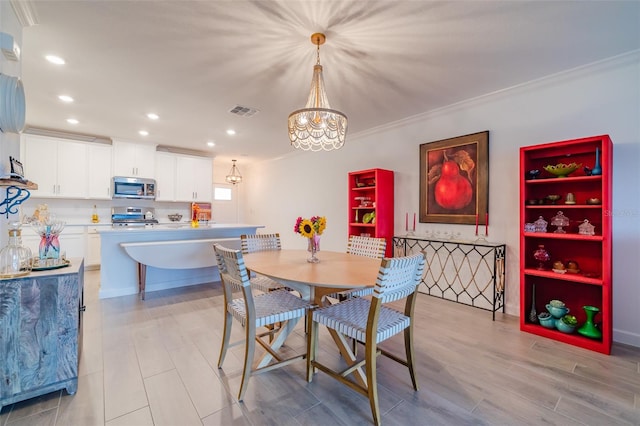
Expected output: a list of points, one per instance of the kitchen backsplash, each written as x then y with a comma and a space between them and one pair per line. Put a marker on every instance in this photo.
80, 211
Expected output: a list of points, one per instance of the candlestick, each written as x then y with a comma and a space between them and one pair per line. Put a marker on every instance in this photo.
486, 224
476, 224
414, 222
406, 221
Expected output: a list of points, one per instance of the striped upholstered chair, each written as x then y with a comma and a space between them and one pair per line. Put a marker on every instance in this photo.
371, 321
251, 243
254, 312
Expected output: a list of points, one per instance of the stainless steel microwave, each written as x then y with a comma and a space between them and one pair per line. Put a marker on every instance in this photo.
132, 187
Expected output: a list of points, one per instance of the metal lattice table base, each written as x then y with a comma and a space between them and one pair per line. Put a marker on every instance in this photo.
467, 272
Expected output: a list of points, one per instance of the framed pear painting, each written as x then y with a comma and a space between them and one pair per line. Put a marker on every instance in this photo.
454, 180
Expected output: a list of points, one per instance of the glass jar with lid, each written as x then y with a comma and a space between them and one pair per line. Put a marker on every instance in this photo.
15, 259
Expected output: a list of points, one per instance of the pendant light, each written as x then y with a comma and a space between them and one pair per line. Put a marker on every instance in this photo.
234, 175
317, 127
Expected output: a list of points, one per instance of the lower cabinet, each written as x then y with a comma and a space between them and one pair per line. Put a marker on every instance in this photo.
93, 247
41, 332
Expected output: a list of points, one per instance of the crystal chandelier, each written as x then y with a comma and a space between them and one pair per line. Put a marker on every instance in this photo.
234, 175
317, 127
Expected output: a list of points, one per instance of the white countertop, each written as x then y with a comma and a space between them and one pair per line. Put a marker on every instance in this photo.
173, 227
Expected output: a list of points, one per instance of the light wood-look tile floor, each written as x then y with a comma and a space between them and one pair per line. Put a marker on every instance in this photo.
154, 362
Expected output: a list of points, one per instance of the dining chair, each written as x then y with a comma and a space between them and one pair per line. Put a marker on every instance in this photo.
251, 243
362, 246
372, 321
254, 312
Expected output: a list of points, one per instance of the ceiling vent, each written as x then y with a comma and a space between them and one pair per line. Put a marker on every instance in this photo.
243, 111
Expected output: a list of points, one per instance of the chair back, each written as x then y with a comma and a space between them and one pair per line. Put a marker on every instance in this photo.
259, 242
367, 246
233, 271
399, 277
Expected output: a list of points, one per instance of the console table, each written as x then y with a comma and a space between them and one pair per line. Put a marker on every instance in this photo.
467, 272
40, 332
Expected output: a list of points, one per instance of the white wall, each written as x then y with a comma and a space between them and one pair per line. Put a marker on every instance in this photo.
9, 142
603, 98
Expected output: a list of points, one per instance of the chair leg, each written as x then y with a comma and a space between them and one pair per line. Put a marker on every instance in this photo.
248, 358
312, 343
408, 347
225, 338
372, 381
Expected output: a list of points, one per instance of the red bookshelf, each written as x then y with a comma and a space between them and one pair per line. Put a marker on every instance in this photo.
592, 285
371, 191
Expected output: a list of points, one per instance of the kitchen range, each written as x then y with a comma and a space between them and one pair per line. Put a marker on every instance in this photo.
133, 216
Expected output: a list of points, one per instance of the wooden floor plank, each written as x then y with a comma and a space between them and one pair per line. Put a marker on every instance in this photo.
156, 362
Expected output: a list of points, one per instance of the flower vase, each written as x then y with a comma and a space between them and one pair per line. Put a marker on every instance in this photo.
314, 247
49, 246
597, 168
589, 329
533, 315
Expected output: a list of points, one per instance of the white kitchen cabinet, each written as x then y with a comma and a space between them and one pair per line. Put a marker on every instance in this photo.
165, 176
92, 257
193, 178
132, 159
99, 171
58, 166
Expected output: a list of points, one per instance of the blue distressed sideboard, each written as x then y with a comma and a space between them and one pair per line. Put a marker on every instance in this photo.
40, 332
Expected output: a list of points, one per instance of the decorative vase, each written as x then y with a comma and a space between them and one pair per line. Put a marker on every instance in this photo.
589, 329
542, 256
49, 246
313, 248
597, 168
533, 316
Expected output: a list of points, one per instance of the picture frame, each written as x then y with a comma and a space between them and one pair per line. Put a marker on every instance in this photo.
454, 180
16, 168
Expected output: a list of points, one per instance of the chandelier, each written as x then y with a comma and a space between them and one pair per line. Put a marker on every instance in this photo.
234, 175
317, 127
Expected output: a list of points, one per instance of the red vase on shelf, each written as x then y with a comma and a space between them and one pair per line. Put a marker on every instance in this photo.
542, 256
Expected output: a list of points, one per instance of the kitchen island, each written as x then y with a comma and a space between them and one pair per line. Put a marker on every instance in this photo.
119, 271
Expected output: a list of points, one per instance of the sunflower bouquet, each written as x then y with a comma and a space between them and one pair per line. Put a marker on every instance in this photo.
310, 227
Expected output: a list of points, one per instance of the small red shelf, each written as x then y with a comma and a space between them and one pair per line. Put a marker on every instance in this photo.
573, 338
379, 190
552, 236
566, 276
567, 180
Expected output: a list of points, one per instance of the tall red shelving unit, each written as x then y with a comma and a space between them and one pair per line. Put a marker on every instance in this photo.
376, 185
592, 285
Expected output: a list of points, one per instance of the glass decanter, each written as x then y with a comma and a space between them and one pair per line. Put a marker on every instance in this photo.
560, 220
15, 259
542, 256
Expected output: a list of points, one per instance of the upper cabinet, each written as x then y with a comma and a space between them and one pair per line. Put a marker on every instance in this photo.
55, 165
165, 176
193, 178
132, 159
99, 171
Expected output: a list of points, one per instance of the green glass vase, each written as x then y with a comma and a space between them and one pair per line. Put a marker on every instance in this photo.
589, 329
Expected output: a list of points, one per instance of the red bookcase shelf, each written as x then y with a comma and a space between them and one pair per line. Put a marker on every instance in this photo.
592, 285
376, 186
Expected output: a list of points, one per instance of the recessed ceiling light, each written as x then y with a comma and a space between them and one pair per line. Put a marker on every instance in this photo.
144, 133
65, 98
211, 144
231, 132
55, 59
72, 121
153, 116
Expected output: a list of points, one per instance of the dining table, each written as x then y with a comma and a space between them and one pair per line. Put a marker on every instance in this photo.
335, 272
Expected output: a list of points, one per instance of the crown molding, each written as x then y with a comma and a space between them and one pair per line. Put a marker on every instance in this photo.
60, 134
26, 12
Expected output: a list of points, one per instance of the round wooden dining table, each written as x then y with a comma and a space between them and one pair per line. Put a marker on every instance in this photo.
335, 272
